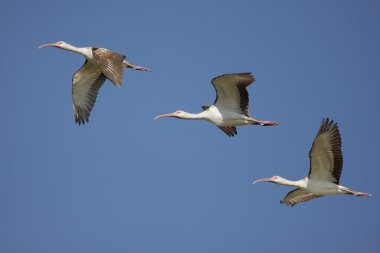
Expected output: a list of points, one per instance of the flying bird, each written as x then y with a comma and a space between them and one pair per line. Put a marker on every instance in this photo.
100, 64
231, 106
326, 162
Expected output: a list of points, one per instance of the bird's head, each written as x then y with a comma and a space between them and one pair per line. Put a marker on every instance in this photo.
59, 44
177, 114
274, 179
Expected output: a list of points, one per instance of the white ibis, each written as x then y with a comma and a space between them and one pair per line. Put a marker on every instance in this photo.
230, 108
326, 162
100, 64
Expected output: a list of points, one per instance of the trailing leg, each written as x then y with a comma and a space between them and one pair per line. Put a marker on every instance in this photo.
135, 67
361, 194
262, 122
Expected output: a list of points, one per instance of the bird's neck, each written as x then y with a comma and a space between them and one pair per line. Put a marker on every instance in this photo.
85, 51
299, 183
188, 115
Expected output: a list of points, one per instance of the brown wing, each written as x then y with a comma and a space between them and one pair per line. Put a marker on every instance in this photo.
298, 195
110, 63
231, 92
230, 130
85, 86
326, 157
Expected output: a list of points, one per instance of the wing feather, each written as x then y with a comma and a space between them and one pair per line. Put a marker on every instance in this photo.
298, 195
85, 87
110, 63
231, 92
326, 157
229, 130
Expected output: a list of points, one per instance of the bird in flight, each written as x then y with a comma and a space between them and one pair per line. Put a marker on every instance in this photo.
326, 162
100, 64
231, 106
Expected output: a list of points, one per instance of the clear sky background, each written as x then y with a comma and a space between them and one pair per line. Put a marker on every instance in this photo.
127, 183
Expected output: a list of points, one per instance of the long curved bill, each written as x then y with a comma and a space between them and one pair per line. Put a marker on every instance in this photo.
48, 45
164, 115
263, 180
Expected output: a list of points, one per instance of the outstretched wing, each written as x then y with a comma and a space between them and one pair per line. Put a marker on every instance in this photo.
298, 195
231, 92
110, 63
229, 130
85, 86
326, 158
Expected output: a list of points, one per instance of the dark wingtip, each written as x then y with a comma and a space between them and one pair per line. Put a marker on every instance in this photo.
205, 107
81, 121
288, 204
327, 123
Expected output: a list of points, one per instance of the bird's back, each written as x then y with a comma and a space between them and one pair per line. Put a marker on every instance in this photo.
319, 187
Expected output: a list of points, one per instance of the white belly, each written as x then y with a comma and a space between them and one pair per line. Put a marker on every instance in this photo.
226, 118
323, 188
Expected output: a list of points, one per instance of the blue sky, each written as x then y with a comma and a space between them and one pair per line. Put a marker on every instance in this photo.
127, 183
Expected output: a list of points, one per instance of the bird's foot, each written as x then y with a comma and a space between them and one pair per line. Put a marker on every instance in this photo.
140, 68
269, 123
135, 67
362, 194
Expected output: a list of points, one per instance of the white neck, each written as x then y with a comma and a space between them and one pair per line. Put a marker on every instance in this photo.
302, 183
85, 51
187, 115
